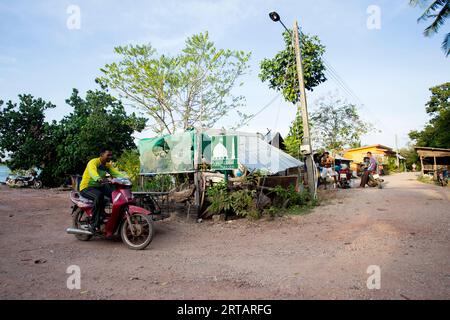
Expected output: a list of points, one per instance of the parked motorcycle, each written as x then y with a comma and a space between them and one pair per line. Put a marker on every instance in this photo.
134, 224
30, 180
344, 176
443, 177
375, 181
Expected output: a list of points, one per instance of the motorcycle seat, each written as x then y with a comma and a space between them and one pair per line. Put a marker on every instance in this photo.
76, 197
81, 201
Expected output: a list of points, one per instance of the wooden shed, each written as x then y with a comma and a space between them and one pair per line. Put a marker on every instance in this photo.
433, 159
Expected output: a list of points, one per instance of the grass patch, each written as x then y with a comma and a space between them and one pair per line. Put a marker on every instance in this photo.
295, 210
426, 179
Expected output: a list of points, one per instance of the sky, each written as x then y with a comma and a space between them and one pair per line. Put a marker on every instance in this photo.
388, 65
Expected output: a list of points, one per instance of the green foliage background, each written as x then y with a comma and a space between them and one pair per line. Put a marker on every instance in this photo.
64, 147
436, 133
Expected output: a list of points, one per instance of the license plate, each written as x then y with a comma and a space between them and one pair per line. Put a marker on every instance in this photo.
376, 176
343, 176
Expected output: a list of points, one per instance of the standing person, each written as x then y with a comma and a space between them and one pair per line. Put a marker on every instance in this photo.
414, 167
92, 184
371, 168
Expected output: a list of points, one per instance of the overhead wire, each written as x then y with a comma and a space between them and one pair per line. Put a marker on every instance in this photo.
341, 84
334, 76
260, 111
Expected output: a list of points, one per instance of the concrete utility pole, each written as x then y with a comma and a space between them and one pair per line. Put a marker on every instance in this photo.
306, 147
396, 151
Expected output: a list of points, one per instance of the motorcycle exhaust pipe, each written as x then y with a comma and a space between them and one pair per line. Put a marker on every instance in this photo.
79, 231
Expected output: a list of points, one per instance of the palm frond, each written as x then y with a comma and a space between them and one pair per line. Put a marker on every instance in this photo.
439, 20
414, 3
446, 45
431, 8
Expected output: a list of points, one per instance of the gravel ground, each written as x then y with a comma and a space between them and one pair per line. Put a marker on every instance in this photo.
404, 229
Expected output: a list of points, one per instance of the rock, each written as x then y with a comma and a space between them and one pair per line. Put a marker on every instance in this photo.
40, 261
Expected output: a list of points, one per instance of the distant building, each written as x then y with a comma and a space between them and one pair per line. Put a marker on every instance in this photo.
380, 152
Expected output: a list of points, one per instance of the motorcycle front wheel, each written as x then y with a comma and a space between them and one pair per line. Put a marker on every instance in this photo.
142, 233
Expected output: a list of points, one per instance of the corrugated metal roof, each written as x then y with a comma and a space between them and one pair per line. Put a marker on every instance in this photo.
257, 154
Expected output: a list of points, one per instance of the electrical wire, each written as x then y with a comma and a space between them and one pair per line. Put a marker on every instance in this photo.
260, 111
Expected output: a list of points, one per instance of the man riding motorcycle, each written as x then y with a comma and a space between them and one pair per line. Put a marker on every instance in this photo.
93, 185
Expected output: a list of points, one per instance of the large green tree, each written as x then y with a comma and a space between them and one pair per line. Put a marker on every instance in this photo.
25, 136
436, 133
193, 88
99, 120
64, 147
281, 71
336, 124
438, 11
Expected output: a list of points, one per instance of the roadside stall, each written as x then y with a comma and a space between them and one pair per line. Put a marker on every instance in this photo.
433, 160
192, 160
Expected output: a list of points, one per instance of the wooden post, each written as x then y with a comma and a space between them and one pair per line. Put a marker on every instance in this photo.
435, 169
141, 182
421, 165
302, 105
197, 162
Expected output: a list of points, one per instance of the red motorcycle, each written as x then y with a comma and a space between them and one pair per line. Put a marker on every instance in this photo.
344, 177
133, 223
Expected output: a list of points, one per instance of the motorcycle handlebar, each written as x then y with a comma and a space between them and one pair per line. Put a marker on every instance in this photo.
105, 181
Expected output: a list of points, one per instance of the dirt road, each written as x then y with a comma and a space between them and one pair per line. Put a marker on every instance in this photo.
404, 229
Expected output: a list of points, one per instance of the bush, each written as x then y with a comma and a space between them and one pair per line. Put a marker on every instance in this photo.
129, 162
219, 198
243, 202
391, 166
160, 183
286, 198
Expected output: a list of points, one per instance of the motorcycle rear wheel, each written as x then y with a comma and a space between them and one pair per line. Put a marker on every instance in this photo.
143, 226
37, 184
80, 221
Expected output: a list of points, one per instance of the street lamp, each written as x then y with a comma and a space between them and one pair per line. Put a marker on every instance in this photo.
305, 148
276, 18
